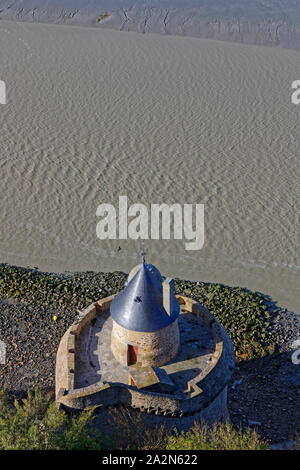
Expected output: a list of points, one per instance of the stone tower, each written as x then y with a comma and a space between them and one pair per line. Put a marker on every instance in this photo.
145, 319
124, 350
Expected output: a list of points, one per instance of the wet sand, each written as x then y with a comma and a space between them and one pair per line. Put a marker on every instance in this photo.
273, 23
93, 115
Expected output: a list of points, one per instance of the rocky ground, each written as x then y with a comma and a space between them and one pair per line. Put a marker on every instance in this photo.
32, 338
265, 394
264, 391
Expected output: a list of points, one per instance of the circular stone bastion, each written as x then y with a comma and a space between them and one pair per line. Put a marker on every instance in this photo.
190, 387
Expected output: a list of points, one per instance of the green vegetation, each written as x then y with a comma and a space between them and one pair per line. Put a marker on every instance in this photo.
220, 437
243, 314
59, 292
35, 423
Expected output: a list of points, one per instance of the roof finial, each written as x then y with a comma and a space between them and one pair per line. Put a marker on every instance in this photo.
143, 253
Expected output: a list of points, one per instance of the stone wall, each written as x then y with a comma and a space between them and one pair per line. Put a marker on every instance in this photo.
216, 411
154, 348
65, 356
208, 400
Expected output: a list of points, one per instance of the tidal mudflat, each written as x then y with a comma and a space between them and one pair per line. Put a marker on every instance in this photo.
95, 114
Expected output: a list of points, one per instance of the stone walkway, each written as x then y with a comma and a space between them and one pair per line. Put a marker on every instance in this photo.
95, 361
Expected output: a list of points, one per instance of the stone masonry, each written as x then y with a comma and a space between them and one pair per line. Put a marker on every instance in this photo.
157, 348
88, 375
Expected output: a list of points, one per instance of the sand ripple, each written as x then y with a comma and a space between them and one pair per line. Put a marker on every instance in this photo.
92, 115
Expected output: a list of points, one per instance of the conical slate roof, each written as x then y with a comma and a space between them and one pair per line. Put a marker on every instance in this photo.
151, 268
139, 307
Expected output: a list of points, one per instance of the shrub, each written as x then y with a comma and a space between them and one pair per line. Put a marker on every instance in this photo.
219, 437
200, 437
131, 431
36, 424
